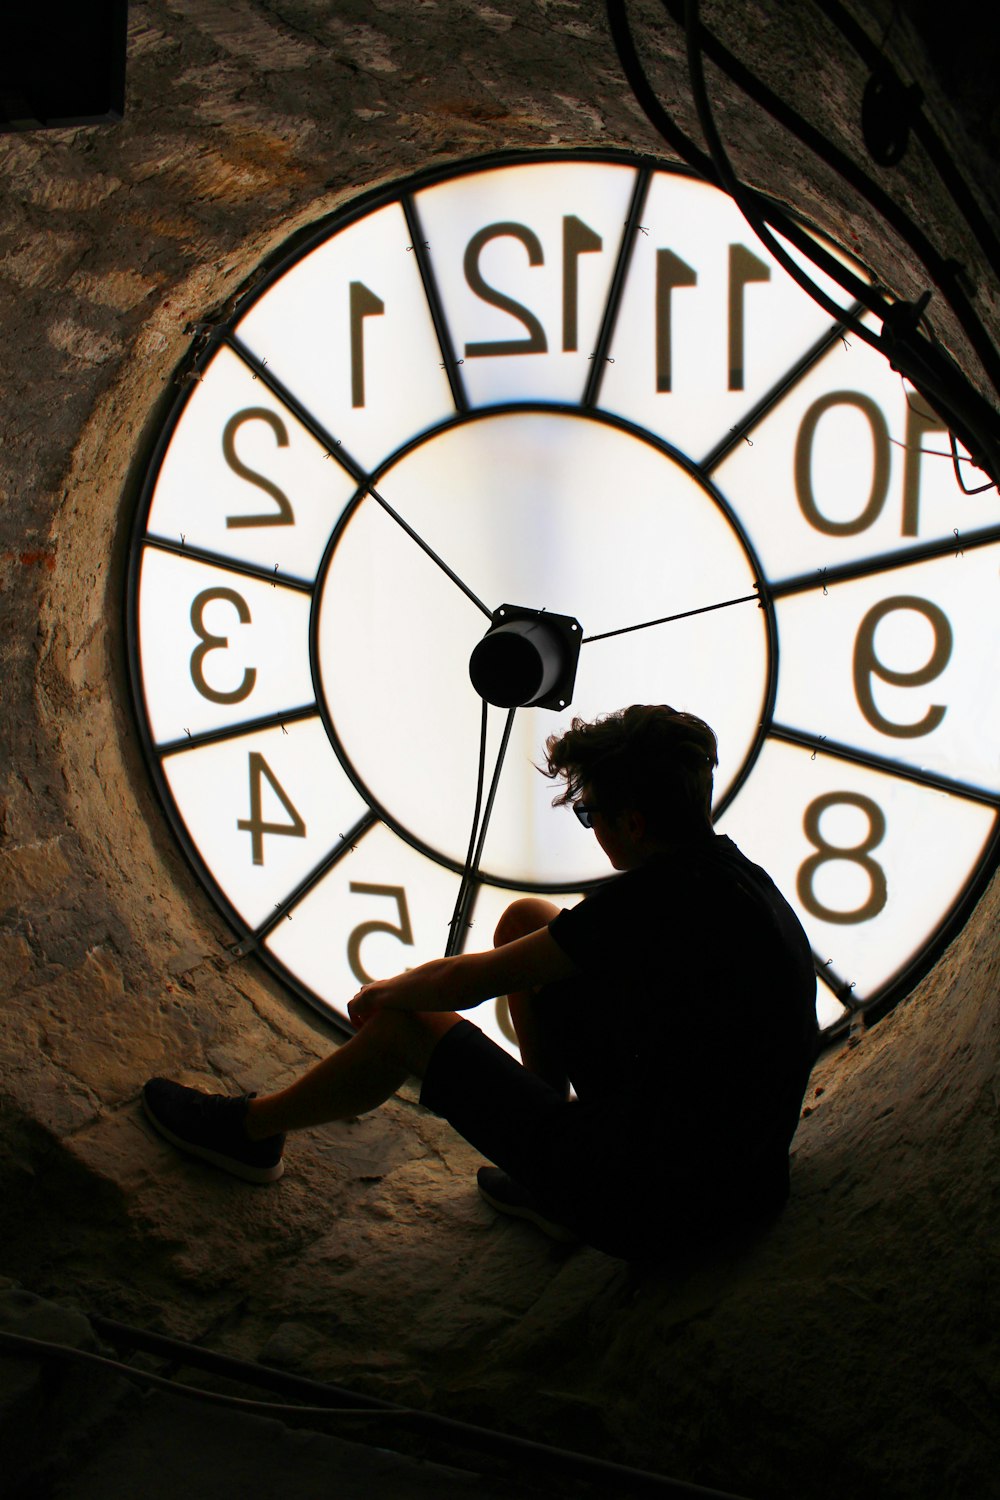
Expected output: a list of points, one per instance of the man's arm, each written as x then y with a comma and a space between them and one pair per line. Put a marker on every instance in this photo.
462, 982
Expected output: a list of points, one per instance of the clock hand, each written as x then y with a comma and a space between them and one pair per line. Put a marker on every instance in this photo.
336, 450
684, 614
415, 536
476, 843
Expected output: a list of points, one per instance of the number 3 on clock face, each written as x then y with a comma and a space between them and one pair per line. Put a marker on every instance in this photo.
572, 384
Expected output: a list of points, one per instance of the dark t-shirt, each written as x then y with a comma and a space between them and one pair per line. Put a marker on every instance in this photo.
699, 982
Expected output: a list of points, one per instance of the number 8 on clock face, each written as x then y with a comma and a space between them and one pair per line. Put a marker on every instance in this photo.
574, 385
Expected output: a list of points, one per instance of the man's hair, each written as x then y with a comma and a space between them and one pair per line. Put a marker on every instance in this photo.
649, 758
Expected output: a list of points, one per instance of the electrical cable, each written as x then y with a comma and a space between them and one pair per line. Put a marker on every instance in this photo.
944, 272
959, 190
456, 917
931, 371
626, 1480
899, 321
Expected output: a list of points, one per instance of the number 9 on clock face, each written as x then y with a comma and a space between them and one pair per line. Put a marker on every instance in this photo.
573, 384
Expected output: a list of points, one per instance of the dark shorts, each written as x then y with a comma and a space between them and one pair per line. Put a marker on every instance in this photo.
585, 1162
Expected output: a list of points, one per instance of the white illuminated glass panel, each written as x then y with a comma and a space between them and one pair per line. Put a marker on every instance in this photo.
215, 787
828, 1008
861, 488
709, 322
870, 818
594, 513
381, 908
372, 378
524, 257
245, 644
925, 622
550, 512
272, 502
493, 1016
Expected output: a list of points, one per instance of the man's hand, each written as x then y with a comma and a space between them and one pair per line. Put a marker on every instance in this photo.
365, 1004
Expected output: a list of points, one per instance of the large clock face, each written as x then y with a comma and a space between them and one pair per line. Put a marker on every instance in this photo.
576, 386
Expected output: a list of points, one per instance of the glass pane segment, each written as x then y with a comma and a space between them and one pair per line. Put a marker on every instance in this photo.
263, 810
523, 258
547, 512
904, 663
834, 474
493, 1016
869, 862
348, 331
242, 478
828, 1009
217, 648
709, 321
381, 909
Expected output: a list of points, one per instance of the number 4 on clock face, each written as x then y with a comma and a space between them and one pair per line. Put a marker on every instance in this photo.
576, 385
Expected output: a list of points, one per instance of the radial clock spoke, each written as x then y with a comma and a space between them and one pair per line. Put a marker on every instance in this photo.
884, 562
379, 908
234, 731
741, 431
221, 645
284, 908
859, 757
419, 247
336, 450
895, 663
838, 838
841, 474
263, 810
270, 575
489, 386
600, 357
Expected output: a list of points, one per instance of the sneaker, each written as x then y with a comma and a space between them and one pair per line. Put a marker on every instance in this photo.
508, 1197
212, 1126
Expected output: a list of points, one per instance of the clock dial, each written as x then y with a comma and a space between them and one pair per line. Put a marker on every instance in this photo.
572, 385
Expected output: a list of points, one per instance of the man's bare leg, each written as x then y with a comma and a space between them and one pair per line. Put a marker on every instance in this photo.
362, 1074
529, 914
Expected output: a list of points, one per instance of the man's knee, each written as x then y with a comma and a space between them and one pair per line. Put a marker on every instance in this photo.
409, 1037
527, 914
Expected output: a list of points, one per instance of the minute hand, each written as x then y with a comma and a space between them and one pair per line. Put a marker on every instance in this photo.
684, 614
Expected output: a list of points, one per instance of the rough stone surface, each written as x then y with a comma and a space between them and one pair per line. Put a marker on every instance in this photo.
850, 1351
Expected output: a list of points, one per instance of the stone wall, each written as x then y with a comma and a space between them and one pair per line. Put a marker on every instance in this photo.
850, 1348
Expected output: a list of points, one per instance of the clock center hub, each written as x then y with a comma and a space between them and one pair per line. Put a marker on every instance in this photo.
527, 659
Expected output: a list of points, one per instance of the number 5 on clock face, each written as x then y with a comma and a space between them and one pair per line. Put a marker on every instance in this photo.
576, 385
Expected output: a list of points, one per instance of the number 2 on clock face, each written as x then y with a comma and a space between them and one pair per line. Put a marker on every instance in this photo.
633, 306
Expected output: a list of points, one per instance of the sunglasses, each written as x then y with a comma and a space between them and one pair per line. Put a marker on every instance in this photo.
586, 812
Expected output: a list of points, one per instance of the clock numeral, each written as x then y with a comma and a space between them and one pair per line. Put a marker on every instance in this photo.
872, 508
920, 420
255, 825
744, 267
210, 642
671, 272
859, 854
284, 515
364, 304
536, 342
403, 930
867, 665
578, 239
